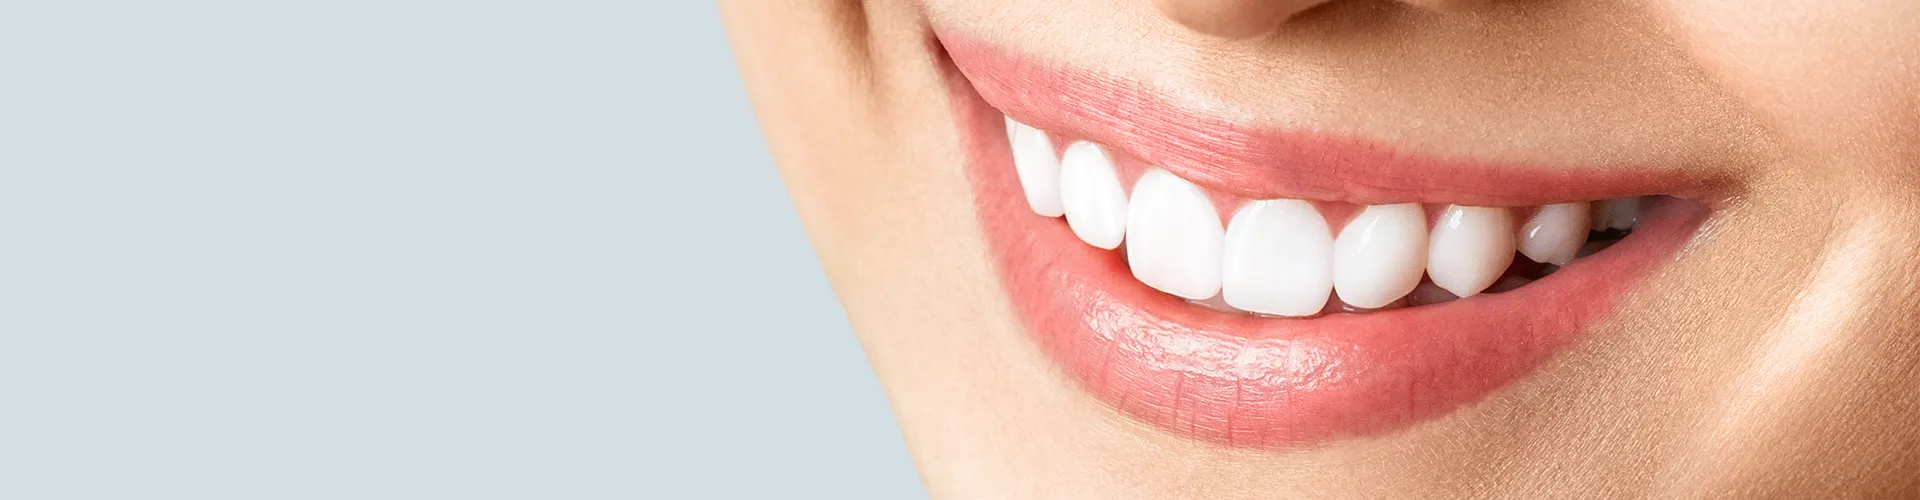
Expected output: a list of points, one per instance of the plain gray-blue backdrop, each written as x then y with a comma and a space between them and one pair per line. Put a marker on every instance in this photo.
409, 249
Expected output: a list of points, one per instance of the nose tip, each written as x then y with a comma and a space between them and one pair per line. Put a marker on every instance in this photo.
1249, 18
1232, 18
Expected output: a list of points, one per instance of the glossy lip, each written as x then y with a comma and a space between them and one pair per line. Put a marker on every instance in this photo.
1246, 381
1247, 162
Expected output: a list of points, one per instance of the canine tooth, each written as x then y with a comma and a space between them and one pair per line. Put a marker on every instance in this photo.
1378, 257
1278, 259
1091, 196
1623, 213
1174, 236
1471, 246
1037, 167
1554, 234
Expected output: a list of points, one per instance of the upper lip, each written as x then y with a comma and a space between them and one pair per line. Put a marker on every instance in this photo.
1233, 158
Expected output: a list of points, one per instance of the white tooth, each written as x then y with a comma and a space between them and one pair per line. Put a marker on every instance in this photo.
1378, 257
1555, 233
1394, 304
1278, 259
1471, 247
1038, 168
1091, 196
1174, 236
1623, 213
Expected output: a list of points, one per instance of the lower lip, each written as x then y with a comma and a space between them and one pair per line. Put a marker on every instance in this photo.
1245, 381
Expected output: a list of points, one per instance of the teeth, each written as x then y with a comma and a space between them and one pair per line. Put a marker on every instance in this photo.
1174, 237
1555, 233
1620, 213
1344, 307
1279, 259
1091, 196
1623, 213
1038, 168
1471, 247
1379, 255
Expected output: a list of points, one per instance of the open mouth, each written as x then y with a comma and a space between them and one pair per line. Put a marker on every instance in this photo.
1296, 258
1272, 287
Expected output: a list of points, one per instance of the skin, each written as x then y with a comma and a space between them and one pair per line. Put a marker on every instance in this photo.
1779, 356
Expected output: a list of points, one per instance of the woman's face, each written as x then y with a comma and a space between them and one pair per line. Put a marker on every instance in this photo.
1226, 248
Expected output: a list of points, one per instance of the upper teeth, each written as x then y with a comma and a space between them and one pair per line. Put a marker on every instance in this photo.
1038, 168
1379, 255
1471, 247
1095, 203
1174, 236
1278, 259
1555, 233
1616, 214
1281, 257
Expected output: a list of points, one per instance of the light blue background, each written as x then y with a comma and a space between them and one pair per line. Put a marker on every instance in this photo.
408, 249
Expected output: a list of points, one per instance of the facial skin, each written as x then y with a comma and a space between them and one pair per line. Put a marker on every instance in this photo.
1777, 356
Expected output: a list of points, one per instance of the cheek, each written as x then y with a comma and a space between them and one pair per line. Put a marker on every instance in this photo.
1818, 73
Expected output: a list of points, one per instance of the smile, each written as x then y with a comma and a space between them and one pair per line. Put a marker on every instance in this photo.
1262, 287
